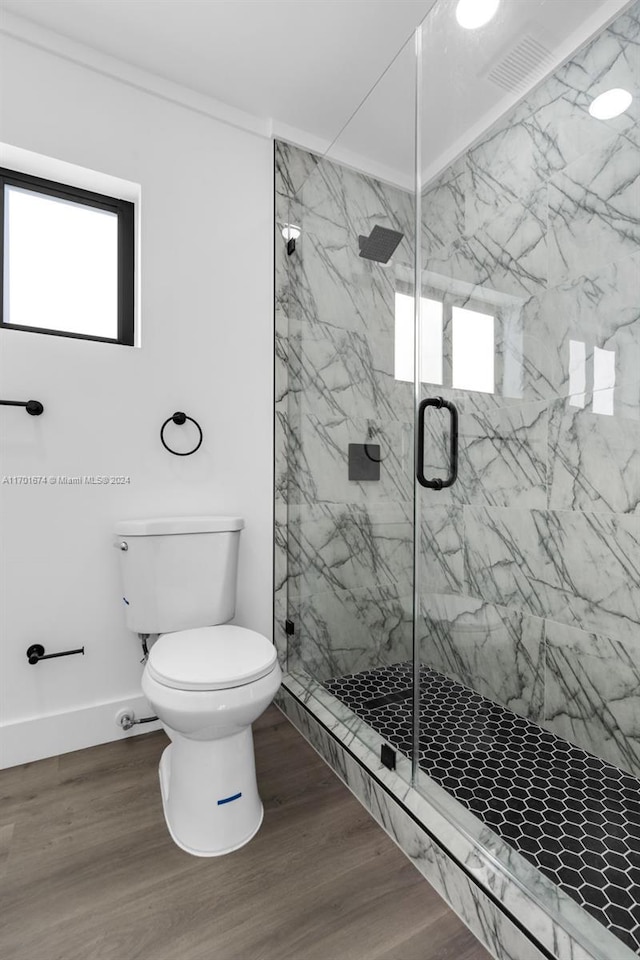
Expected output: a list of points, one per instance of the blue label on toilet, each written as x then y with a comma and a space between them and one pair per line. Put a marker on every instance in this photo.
236, 796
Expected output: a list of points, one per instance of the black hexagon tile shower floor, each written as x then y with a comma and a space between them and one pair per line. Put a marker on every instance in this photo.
572, 815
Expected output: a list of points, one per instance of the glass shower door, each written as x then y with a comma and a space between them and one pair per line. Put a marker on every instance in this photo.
528, 558
345, 495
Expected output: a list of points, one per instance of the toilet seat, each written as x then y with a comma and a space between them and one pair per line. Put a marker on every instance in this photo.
210, 658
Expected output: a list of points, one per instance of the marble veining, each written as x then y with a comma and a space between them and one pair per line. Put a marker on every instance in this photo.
340, 203
441, 554
318, 465
573, 567
331, 284
600, 308
340, 372
593, 693
344, 630
594, 208
496, 651
341, 546
594, 461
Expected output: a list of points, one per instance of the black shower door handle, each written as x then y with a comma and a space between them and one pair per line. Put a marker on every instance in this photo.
436, 483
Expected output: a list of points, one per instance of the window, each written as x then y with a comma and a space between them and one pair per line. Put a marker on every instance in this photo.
604, 380
430, 339
466, 336
472, 350
67, 260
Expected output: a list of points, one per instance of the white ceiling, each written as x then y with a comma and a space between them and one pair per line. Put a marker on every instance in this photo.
459, 100
306, 65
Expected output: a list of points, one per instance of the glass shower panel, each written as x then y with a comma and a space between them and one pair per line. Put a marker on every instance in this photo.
345, 534
528, 626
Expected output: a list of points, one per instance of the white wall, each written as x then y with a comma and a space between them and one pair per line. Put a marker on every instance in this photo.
206, 349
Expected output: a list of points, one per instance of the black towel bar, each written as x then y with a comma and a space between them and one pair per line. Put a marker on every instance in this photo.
34, 407
35, 653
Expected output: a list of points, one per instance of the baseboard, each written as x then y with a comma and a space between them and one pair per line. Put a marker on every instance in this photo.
36, 738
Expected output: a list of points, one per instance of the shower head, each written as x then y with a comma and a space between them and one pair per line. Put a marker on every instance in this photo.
380, 244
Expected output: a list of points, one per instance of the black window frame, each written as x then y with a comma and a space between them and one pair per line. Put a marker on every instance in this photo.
124, 211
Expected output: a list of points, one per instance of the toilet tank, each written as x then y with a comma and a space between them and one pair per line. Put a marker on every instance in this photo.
178, 572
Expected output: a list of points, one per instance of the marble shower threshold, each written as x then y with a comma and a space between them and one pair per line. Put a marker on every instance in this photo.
575, 818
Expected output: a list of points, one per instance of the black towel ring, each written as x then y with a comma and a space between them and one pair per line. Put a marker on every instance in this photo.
180, 418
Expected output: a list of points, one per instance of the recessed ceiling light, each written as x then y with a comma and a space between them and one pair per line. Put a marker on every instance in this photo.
291, 232
610, 104
471, 14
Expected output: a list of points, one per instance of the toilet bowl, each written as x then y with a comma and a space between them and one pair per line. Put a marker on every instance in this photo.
207, 687
206, 680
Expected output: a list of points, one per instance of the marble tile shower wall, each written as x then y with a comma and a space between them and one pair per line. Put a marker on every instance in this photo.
532, 561
530, 572
343, 548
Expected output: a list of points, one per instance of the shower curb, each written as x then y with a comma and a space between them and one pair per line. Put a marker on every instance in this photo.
524, 932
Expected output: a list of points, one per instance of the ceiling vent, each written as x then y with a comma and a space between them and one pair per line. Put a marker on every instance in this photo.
527, 61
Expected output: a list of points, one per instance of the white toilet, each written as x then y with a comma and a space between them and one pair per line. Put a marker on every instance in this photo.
206, 680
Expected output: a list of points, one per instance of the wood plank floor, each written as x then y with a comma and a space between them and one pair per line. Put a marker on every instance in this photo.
88, 870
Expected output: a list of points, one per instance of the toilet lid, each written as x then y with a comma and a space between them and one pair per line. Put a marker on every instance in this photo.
210, 658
